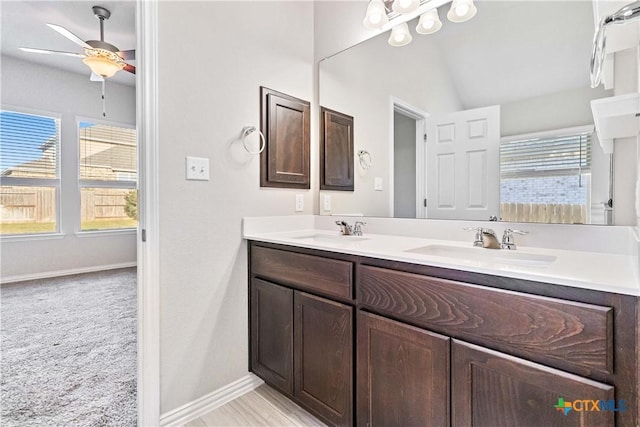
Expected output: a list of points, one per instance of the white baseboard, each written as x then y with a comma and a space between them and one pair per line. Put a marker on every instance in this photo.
209, 402
49, 274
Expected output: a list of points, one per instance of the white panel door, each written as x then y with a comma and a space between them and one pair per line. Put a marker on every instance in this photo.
463, 164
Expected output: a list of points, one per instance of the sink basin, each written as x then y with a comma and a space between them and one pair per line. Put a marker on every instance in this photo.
331, 238
500, 256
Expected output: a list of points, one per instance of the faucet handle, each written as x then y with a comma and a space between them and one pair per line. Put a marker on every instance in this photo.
507, 238
478, 239
520, 232
357, 228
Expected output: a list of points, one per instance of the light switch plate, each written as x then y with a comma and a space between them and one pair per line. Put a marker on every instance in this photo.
327, 202
299, 202
197, 168
377, 183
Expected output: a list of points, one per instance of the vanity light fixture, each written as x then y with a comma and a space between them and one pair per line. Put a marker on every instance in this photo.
400, 35
405, 6
429, 22
376, 15
461, 11
403, 11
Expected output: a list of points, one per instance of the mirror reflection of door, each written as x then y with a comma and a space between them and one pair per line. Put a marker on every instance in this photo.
409, 191
463, 165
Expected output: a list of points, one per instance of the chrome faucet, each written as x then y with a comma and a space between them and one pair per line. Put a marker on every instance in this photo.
357, 228
484, 238
348, 230
507, 238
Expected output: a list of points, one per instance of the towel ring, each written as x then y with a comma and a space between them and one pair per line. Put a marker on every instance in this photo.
365, 159
248, 130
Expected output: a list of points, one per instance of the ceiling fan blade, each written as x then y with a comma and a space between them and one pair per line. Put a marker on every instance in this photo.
127, 55
130, 68
95, 77
68, 34
56, 52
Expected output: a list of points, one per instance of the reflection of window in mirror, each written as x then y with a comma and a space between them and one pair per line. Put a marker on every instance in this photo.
546, 177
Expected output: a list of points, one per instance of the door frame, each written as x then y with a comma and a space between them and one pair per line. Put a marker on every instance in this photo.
148, 280
420, 116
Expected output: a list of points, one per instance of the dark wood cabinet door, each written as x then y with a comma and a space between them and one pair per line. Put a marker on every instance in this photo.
272, 334
403, 374
493, 389
285, 161
324, 357
336, 150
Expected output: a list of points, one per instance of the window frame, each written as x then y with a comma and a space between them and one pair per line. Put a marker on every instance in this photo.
556, 133
56, 182
97, 183
548, 134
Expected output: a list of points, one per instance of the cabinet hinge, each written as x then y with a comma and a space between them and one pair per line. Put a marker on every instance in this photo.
143, 235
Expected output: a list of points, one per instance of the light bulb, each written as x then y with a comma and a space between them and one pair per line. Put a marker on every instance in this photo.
400, 35
462, 9
405, 6
376, 15
429, 22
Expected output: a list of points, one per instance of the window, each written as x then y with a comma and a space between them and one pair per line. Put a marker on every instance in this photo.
546, 177
30, 173
108, 176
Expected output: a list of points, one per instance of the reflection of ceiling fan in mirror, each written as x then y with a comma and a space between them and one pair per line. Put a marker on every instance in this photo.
104, 59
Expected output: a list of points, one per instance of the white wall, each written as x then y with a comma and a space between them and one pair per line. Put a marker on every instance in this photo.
44, 89
213, 57
333, 26
559, 110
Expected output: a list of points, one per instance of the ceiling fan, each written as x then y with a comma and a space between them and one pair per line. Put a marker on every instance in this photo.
104, 59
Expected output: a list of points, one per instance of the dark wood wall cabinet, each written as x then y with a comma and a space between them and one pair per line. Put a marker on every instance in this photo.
427, 346
284, 121
336, 150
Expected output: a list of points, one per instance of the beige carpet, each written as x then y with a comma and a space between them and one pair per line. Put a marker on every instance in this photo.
69, 351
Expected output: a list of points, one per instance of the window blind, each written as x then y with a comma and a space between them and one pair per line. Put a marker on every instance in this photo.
556, 155
29, 145
107, 153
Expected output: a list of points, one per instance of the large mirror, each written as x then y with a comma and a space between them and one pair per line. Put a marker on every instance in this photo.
503, 103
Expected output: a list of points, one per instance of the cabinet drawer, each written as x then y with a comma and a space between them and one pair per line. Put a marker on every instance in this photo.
308, 272
566, 333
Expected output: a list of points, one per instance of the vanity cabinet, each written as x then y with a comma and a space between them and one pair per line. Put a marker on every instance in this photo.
403, 374
438, 347
494, 389
301, 341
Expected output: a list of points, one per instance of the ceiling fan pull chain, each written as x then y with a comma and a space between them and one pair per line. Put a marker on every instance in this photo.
104, 107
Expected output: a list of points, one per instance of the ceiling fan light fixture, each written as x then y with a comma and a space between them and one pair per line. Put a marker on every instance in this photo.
461, 11
429, 22
103, 65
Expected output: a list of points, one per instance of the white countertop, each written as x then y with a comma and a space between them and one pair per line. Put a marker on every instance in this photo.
608, 272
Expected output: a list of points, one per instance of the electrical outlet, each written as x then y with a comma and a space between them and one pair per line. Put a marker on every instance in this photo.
327, 202
197, 168
299, 202
377, 183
